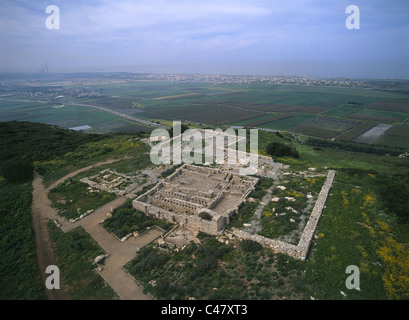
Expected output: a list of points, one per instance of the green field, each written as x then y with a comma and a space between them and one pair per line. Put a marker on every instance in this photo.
295, 108
67, 116
343, 110
288, 123
380, 116
397, 136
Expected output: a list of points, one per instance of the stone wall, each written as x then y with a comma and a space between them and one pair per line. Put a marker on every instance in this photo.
183, 204
102, 187
308, 233
276, 245
299, 251
215, 226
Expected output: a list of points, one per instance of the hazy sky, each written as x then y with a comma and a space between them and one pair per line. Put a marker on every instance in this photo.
208, 36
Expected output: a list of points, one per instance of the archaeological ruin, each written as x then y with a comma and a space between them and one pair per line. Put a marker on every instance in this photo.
203, 198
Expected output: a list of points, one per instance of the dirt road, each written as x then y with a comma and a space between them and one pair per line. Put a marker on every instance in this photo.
119, 252
74, 173
40, 211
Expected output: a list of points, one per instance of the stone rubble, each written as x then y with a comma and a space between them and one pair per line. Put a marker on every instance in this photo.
299, 251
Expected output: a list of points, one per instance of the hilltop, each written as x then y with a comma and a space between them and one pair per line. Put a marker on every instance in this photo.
364, 222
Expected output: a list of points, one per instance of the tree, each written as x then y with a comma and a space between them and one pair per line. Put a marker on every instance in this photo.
183, 128
281, 150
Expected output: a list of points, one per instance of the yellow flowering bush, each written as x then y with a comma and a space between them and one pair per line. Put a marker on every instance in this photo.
290, 160
268, 213
384, 226
345, 200
313, 181
357, 191
369, 199
396, 277
263, 153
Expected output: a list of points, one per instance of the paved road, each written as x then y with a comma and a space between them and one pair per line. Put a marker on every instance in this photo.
120, 114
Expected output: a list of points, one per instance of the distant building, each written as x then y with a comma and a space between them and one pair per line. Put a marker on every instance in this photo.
81, 128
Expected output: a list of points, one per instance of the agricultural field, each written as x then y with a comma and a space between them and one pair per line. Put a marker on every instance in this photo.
391, 105
288, 123
396, 137
372, 135
380, 116
317, 111
325, 127
359, 129
262, 120
67, 116
343, 110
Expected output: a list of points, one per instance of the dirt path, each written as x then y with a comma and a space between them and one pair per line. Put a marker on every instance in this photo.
74, 173
40, 211
119, 252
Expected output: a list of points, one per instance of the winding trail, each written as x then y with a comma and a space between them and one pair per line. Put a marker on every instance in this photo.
119, 253
74, 173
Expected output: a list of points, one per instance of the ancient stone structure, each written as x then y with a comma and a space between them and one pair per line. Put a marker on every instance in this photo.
299, 251
308, 233
203, 198
111, 181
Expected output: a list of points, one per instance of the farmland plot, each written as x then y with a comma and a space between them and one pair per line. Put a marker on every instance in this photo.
372, 135
391, 105
379, 115
398, 136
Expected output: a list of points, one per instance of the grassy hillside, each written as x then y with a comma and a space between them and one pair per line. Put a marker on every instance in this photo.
19, 273
20, 278
37, 141
365, 223
54, 152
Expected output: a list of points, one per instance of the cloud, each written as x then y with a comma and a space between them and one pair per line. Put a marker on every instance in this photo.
176, 31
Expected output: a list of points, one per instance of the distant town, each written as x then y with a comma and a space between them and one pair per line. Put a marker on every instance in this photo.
60, 79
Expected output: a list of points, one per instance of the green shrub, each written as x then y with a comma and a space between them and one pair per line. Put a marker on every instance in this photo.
250, 246
277, 149
265, 294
